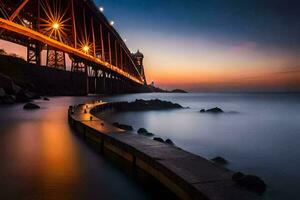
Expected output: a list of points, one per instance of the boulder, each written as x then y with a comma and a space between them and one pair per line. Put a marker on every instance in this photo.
202, 110
220, 160
178, 91
22, 96
170, 142
123, 126
144, 105
2, 92
143, 131
250, 182
215, 110
7, 83
8, 99
46, 99
31, 106
16, 88
236, 176
158, 139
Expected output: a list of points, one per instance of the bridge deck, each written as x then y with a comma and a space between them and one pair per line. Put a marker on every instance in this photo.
189, 176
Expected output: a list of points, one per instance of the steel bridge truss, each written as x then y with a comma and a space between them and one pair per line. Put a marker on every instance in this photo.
73, 27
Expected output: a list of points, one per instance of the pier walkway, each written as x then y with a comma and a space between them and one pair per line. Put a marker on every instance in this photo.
187, 175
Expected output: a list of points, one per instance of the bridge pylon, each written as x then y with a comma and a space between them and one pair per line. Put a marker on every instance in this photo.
34, 53
55, 59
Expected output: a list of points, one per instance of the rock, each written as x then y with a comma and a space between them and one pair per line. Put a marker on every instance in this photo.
8, 99
250, 182
143, 105
30, 106
202, 110
123, 126
220, 160
46, 99
215, 110
178, 91
143, 131
158, 139
22, 96
7, 84
2, 92
236, 176
16, 88
170, 142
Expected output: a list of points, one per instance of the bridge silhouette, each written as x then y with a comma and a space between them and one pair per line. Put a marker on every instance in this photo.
77, 28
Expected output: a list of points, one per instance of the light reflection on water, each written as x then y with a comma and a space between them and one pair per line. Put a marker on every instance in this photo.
42, 159
261, 136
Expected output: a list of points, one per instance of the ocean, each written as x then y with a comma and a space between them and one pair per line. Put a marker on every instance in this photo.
259, 133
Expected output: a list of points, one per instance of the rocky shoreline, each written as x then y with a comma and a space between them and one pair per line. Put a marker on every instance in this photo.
11, 93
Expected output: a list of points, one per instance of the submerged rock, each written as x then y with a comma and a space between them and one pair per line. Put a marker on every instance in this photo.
123, 126
236, 176
46, 99
143, 131
220, 160
31, 106
143, 105
215, 110
250, 182
158, 139
178, 91
212, 110
170, 142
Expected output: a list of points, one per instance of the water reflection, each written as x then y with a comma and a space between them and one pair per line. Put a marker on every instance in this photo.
42, 159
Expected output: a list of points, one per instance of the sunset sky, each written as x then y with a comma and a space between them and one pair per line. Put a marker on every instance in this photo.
213, 45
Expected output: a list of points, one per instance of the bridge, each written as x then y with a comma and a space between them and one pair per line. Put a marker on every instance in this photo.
74, 28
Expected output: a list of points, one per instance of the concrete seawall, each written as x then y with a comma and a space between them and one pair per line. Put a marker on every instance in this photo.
186, 175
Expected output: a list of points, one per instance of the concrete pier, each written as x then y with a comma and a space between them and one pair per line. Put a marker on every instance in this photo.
187, 175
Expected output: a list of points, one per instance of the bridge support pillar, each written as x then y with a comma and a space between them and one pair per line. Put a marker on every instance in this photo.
55, 59
34, 53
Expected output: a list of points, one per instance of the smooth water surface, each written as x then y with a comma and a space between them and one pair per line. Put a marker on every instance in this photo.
257, 134
40, 158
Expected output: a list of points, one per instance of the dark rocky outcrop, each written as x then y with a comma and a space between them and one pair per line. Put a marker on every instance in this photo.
215, 110
212, 110
170, 142
220, 160
143, 131
46, 99
144, 105
178, 91
123, 126
250, 182
13, 93
31, 106
158, 139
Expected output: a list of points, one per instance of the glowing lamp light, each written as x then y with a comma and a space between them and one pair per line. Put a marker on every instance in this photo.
112, 23
86, 48
125, 40
101, 9
56, 25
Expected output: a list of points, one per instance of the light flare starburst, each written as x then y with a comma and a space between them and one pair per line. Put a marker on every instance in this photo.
55, 22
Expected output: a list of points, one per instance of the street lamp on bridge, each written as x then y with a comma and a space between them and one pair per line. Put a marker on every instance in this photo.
55, 25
